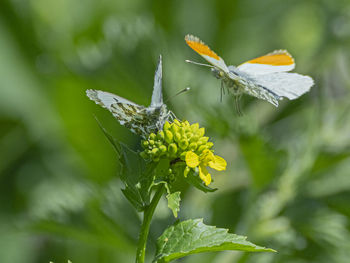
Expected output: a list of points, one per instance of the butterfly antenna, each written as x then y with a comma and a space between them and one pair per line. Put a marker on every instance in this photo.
178, 93
200, 64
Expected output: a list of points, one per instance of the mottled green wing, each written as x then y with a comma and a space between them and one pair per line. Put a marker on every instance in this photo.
136, 118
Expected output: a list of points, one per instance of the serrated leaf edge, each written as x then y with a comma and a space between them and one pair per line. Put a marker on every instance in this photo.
161, 258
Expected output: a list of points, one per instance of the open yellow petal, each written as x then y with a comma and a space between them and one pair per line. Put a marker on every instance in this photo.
218, 164
204, 175
191, 159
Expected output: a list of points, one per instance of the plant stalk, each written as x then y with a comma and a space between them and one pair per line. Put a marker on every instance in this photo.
147, 218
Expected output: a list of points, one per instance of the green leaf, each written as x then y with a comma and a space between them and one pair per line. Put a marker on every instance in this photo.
136, 174
174, 202
193, 179
162, 169
110, 138
193, 236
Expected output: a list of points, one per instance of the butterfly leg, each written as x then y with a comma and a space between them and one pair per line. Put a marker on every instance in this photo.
171, 116
222, 90
237, 105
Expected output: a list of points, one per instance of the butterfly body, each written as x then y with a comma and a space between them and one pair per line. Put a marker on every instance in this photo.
239, 83
137, 118
264, 77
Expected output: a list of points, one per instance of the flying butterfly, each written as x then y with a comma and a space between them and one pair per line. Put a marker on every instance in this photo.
137, 118
265, 77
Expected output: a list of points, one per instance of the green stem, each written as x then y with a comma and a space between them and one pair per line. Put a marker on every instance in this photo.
147, 217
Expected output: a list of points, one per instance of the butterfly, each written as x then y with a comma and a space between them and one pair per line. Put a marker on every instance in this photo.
137, 118
265, 77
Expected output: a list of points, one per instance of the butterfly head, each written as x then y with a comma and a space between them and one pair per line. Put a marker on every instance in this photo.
218, 73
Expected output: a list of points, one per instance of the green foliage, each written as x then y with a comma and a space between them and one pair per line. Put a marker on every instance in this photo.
192, 236
257, 153
137, 176
60, 191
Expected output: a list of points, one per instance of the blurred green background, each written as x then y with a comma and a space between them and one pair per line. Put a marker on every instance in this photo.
287, 185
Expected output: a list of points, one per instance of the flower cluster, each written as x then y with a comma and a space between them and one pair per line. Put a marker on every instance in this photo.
182, 142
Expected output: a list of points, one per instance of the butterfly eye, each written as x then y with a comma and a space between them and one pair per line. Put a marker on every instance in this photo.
221, 74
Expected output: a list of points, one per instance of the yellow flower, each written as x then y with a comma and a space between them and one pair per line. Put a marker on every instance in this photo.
206, 158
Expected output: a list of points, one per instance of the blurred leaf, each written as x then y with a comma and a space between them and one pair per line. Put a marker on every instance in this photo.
85, 235
262, 159
326, 185
327, 159
192, 236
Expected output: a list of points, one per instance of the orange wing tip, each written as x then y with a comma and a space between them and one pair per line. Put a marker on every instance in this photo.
276, 58
282, 52
200, 47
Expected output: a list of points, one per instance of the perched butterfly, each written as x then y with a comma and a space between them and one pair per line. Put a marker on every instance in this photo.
139, 119
264, 77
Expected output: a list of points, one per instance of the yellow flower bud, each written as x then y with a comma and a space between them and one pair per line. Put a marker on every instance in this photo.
174, 128
189, 134
168, 135
152, 136
172, 148
183, 144
192, 146
177, 137
166, 126
194, 138
162, 148
154, 151
209, 145
160, 135
145, 144
201, 148
203, 140
200, 132
176, 122
194, 127
151, 142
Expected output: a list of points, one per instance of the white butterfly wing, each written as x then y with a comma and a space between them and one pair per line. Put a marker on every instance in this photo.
283, 84
209, 55
106, 99
129, 114
259, 69
276, 61
157, 95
